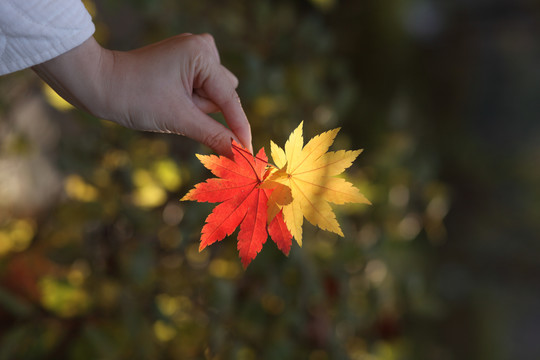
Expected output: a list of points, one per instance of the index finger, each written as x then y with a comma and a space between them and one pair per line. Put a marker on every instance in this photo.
221, 91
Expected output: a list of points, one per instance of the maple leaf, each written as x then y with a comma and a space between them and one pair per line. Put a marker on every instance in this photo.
243, 203
308, 183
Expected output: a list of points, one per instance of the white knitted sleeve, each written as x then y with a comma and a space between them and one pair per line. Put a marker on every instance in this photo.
34, 31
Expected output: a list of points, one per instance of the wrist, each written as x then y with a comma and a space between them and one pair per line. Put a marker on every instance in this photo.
80, 76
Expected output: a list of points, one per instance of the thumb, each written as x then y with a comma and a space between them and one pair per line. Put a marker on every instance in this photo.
207, 131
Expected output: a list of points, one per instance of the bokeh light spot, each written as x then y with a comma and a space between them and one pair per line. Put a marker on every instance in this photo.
163, 331
77, 189
197, 259
224, 269
376, 271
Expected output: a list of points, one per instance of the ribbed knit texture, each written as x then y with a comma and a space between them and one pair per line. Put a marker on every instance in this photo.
34, 31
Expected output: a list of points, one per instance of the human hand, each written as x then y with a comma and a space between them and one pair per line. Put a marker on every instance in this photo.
168, 86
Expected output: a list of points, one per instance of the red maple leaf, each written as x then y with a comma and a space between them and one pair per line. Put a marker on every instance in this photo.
243, 203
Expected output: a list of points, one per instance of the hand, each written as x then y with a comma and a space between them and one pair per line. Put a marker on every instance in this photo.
167, 87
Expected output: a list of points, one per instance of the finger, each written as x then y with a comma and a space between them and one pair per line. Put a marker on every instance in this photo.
231, 76
211, 44
221, 92
200, 97
205, 105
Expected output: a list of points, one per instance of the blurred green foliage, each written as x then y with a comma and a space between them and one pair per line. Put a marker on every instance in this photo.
99, 259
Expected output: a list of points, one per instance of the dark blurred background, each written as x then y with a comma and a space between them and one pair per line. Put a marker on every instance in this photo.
99, 259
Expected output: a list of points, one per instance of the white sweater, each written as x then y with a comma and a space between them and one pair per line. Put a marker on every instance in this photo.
34, 31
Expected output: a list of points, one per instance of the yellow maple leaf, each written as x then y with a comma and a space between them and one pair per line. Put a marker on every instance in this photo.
304, 182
